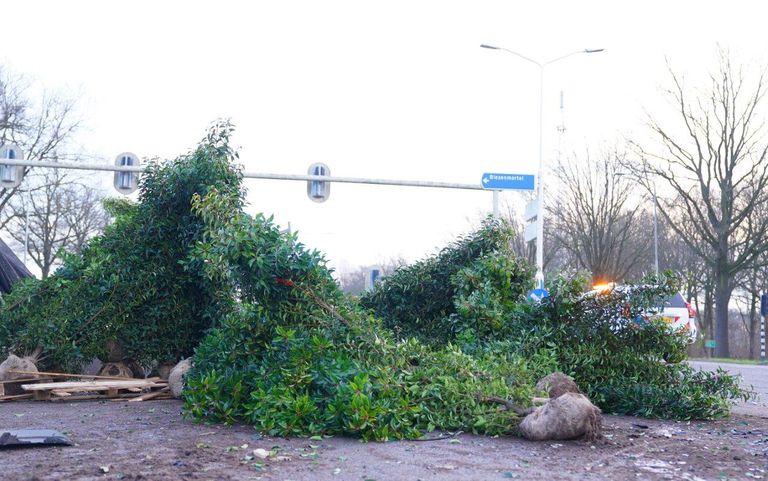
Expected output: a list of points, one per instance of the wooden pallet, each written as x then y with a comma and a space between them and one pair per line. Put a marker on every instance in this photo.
62, 375
12, 391
73, 390
13, 386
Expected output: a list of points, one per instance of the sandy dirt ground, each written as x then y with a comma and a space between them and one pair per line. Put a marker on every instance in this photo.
152, 441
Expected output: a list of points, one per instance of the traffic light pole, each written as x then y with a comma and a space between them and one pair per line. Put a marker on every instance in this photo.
252, 175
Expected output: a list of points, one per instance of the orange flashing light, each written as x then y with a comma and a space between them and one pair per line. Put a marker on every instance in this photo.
604, 287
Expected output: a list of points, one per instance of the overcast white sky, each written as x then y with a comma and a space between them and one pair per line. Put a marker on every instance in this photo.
389, 89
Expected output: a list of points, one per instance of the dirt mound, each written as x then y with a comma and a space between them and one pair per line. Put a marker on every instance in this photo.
176, 378
15, 363
570, 416
557, 384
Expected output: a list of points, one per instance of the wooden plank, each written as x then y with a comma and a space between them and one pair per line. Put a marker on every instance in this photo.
30, 379
16, 397
91, 385
74, 389
86, 397
102, 391
58, 393
136, 391
151, 395
91, 376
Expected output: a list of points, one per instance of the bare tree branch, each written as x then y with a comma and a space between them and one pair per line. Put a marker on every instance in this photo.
717, 174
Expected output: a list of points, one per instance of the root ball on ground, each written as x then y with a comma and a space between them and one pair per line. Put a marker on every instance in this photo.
116, 369
176, 378
16, 363
557, 384
570, 416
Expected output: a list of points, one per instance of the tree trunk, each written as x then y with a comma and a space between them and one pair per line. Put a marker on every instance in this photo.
723, 292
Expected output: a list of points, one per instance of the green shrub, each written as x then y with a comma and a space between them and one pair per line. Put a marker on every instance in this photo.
128, 285
294, 356
431, 298
628, 365
680, 393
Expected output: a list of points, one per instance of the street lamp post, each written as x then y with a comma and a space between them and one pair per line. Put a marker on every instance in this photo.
540, 213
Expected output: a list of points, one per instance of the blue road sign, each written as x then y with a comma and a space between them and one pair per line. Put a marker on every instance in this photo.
538, 295
493, 181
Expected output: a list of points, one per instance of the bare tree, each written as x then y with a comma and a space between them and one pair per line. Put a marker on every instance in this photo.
717, 168
594, 219
85, 215
38, 127
748, 292
62, 212
750, 284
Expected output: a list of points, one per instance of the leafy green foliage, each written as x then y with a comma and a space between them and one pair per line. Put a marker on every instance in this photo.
678, 392
490, 294
433, 298
128, 286
294, 356
625, 363
278, 345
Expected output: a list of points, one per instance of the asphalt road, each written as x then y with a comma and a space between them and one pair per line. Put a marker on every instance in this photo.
752, 375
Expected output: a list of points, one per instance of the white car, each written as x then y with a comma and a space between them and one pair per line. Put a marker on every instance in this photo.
673, 310
679, 314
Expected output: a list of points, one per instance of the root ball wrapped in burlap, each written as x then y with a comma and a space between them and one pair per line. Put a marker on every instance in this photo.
116, 369
570, 416
176, 378
557, 384
16, 363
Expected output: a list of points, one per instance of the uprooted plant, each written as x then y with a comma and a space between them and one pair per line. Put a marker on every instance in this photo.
281, 347
277, 344
293, 356
625, 363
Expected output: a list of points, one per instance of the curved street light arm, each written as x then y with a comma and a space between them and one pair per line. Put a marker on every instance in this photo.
569, 54
543, 64
539, 64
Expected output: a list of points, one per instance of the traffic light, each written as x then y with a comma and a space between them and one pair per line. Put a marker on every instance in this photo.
126, 182
318, 190
11, 175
